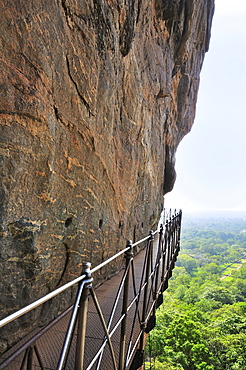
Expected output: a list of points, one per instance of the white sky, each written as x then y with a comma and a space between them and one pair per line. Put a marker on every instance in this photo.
210, 161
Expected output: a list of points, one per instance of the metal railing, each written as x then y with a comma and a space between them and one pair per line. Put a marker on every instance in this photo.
132, 312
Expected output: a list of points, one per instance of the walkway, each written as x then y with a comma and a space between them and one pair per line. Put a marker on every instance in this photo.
143, 297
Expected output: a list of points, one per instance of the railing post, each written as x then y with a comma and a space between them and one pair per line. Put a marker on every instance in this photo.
164, 253
82, 316
176, 237
169, 248
161, 257
172, 247
173, 236
145, 299
179, 229
128, 257
139, 355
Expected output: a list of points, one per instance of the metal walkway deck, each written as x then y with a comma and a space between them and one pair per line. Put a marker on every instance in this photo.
125, 304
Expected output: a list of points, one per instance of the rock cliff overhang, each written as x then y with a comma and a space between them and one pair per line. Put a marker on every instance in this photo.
95, 98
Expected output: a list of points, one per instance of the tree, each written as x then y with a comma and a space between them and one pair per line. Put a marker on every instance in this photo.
218, 293
188, 262
202, 324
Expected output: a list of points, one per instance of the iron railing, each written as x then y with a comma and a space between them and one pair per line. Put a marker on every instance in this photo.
118, 338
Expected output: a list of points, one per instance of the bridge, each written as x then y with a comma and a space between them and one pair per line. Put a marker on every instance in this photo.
106, 327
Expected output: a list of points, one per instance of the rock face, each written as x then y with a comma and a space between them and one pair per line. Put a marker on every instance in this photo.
95, 98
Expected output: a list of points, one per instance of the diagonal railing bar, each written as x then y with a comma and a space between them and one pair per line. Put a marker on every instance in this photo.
122, 318
28, 358
25, 358
151, 290
142, 283
118, 295
94, 297
38, 356
71, 326
145, 300
128, 307
168, 251
128, 259
154, 274
136, 294
137, 313
114, 309
159, 261
140, 293
137, 300
157, 265
104, 344
131, 353
82, 318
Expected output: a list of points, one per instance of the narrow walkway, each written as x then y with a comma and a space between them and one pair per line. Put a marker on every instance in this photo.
125, 305
50, 344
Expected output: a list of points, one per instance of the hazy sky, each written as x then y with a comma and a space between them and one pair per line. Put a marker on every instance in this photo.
210, 161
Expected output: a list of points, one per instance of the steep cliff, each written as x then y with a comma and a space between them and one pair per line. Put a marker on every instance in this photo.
95, 98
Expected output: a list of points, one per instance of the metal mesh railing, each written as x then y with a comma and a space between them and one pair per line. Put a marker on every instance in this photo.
105, 330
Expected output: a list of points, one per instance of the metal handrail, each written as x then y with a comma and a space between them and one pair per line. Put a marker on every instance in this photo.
56, 292
153, 282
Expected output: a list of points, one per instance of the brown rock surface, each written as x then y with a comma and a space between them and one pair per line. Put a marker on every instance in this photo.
95, 98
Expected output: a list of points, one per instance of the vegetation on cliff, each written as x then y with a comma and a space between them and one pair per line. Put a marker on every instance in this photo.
202, 323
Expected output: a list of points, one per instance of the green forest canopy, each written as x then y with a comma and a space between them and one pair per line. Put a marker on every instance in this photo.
202, 322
